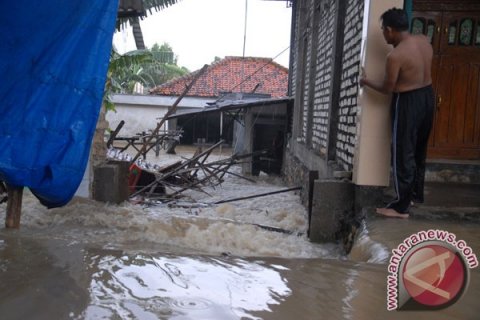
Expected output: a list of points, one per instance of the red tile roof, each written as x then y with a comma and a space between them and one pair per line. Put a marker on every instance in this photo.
232, 74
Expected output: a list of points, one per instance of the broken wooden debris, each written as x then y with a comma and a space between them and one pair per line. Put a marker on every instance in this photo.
168, 182
243, 223
204, 205
145, 141
259, 195
150, 182
170, 111
114, 134
185, 175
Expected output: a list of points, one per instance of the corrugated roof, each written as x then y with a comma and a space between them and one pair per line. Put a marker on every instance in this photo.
232, 74
232, 105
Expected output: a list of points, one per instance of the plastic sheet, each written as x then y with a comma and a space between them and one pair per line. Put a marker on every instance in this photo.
53, 62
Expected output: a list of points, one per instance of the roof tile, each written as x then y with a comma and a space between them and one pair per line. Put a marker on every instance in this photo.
232, 74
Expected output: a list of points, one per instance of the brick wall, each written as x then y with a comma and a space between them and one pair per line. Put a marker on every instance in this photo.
324, 65
348, 109
317, 37
303, 66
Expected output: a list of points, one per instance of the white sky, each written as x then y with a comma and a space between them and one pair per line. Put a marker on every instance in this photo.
199, 30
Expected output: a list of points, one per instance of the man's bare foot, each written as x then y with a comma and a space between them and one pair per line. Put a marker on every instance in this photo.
391, 213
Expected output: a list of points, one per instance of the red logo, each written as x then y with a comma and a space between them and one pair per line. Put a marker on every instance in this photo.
434, 276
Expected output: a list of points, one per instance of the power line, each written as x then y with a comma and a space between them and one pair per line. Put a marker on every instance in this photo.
263, 66
245, 28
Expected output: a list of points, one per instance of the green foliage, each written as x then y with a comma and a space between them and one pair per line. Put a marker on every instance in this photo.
164, 54
123, 72
150, 68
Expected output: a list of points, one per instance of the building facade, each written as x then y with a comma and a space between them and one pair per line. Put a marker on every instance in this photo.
342, 132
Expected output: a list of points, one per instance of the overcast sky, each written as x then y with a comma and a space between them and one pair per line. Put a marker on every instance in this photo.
199, 30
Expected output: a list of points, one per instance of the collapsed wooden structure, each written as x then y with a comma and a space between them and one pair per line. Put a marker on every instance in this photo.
143, 142
168, 182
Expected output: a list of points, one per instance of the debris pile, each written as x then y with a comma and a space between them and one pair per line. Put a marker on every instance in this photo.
154, 183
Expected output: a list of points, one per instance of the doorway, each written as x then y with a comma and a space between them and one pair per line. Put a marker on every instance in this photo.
455, 37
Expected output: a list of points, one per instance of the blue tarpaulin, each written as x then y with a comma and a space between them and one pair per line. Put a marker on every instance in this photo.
54, 58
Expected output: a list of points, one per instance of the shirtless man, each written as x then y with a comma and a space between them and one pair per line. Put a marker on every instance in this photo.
408, 77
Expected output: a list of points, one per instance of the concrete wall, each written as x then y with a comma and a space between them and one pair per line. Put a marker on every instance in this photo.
143, 112
137, 118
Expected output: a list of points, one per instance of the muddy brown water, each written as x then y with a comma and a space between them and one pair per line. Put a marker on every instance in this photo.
89, 260
50, 274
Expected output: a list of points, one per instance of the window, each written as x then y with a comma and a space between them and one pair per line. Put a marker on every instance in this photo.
466, 32
452, 33
418, 26
431, 30
477, 37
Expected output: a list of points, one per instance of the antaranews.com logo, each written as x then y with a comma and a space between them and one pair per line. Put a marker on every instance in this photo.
429, 270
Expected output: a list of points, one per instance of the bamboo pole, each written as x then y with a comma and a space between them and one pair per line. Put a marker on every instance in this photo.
114, 134
14, 207
258, 195
177, 170
170, 111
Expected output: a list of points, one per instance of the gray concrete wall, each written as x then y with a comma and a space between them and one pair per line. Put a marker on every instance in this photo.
332, 210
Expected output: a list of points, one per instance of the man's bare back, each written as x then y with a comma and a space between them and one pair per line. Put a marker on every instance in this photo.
414, 57
408, 76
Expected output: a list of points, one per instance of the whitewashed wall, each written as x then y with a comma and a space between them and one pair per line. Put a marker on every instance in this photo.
143, 112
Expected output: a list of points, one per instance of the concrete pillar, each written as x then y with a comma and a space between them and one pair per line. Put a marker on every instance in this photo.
248, 141
333, 204
312, 177
111, 182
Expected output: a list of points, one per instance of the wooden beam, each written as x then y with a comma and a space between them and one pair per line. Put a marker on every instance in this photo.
170, 111
114, 134
14, 207
259, 195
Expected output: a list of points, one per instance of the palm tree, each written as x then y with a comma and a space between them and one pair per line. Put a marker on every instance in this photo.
125, 70
132, 10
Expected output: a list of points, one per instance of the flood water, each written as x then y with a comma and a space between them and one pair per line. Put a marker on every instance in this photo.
94, 261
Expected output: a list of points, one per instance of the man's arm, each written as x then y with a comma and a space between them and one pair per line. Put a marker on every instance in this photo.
391, 76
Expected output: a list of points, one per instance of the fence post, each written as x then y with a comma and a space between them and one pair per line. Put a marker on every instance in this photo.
14, 207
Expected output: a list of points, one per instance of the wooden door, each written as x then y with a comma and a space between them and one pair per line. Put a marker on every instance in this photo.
455, 37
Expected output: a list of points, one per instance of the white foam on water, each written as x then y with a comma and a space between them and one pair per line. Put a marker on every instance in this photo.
367, 250
236, 228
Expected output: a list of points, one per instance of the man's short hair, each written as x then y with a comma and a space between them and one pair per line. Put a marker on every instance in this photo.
396, 19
